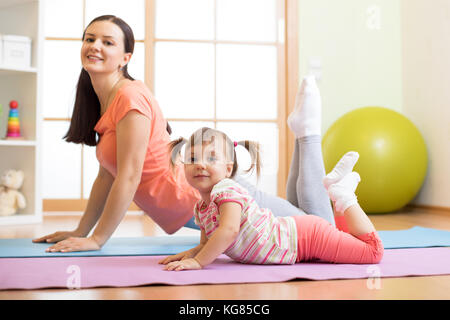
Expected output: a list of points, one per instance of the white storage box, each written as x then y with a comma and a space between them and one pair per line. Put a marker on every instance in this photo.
16, 51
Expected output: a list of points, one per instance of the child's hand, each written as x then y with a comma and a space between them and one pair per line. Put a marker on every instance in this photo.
186, 264
180, 256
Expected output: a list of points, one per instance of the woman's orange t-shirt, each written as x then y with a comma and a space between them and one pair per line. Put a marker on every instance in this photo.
163, 194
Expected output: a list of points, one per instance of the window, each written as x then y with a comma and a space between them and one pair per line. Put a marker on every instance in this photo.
215, 63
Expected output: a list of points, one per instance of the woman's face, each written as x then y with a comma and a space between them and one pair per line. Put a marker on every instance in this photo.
103, 48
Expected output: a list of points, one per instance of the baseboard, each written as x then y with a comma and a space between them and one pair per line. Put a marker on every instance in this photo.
66, 205
428, 207
80, 213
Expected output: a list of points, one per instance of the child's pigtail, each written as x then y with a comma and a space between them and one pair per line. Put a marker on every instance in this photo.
175, 151
254, 148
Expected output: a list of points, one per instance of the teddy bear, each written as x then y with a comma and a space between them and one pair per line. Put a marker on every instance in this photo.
10, 198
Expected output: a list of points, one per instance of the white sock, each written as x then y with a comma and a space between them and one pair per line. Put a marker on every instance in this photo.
342, 168
343, 193
306, 118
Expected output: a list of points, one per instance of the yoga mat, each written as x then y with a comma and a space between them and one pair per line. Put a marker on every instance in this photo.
120, 246
416, 237
128, 271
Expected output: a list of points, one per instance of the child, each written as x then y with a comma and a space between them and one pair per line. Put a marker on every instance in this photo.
232, 223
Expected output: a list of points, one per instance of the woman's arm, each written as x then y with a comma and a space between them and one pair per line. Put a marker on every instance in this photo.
96, 202
222, 238
132, 133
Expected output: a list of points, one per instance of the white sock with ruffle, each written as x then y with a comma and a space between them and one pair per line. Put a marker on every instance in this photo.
342, 193
342, 168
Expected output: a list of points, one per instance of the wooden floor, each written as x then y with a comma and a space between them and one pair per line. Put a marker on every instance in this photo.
433, 287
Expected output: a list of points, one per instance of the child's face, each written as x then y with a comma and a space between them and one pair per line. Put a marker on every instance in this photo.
205, 165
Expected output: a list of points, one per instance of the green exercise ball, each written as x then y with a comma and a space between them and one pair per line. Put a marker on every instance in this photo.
392, 156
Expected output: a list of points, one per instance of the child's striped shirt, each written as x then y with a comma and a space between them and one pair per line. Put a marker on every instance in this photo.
263, 238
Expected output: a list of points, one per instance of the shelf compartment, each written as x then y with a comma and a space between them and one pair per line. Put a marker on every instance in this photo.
11, 70
23, 17
18, 143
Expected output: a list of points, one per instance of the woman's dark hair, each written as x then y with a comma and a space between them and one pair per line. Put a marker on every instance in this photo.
86, 110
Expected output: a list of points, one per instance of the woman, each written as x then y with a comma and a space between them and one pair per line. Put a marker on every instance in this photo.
133, 155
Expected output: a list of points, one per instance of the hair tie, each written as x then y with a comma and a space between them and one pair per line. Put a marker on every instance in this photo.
235, 144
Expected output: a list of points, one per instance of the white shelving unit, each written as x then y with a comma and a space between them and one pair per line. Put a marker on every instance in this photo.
23, 17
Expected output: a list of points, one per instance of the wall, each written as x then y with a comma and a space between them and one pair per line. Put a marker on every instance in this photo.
426, 89
360, 58
398, 61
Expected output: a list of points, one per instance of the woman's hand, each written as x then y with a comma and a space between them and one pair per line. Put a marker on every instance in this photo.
57, 236
74, 244
186, 264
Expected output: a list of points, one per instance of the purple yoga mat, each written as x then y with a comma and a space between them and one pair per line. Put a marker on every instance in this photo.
129, 271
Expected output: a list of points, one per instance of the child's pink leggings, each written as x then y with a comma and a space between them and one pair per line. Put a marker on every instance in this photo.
319, 240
